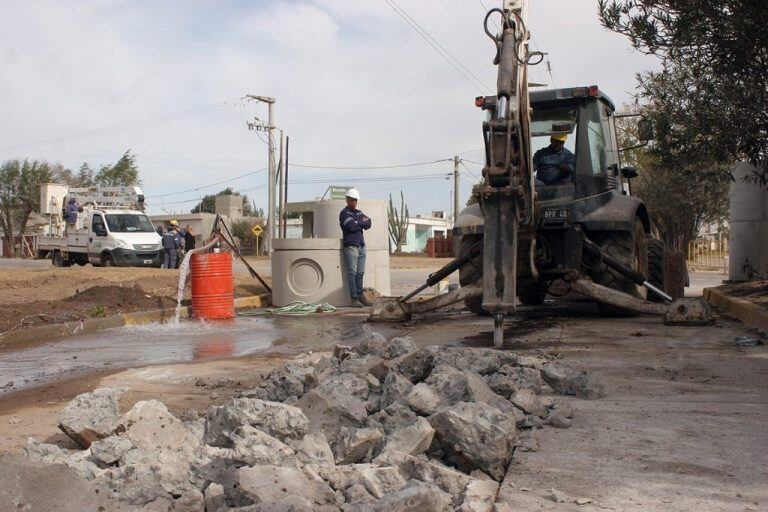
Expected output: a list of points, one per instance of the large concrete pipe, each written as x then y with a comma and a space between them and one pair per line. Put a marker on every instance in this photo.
748, 242
313, 269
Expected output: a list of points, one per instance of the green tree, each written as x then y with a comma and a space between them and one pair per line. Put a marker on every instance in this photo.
682, 191
85, 177
714, 65
20, 194
124, 172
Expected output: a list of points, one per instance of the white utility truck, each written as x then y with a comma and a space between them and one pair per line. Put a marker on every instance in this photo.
111, 229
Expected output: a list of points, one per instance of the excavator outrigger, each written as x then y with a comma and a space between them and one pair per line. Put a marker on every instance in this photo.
522, 234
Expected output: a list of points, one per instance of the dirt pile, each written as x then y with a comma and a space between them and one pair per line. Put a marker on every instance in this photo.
383, 426
64, 294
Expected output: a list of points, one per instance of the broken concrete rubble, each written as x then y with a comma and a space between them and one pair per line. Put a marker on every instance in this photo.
91, 416
110, 449
277, 419
413, 439
476, 436
569, 381
382, 426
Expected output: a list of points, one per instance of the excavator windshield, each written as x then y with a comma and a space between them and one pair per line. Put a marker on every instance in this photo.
553, 121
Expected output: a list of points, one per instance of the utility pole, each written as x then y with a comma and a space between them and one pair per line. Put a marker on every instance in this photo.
269, 128
456, 162
281, 207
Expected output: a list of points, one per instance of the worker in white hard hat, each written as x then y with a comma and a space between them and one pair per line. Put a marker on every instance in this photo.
353, 222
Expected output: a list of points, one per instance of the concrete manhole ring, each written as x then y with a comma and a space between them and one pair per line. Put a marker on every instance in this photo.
305, 277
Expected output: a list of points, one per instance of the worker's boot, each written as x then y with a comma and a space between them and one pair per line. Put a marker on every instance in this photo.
356, 303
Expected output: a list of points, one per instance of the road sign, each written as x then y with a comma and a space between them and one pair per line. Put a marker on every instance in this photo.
338, 192
257, 230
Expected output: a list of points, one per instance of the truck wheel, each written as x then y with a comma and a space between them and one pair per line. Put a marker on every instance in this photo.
107, 261
471, 273
628, 248
532, 294
657, 263
57, 260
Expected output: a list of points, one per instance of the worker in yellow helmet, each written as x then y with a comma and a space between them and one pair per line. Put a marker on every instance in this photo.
554, 164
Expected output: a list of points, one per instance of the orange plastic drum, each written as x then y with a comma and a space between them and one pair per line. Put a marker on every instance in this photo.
213, 291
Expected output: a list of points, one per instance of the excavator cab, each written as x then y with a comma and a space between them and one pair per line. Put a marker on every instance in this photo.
583, 115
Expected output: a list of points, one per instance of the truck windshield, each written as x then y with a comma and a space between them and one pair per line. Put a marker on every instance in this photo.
127, 223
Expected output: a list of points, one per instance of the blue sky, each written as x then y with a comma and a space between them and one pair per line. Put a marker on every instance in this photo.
355, 86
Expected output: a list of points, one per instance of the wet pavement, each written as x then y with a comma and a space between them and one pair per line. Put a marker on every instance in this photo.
133, 346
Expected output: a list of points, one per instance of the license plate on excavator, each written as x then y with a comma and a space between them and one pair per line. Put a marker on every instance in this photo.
555, 215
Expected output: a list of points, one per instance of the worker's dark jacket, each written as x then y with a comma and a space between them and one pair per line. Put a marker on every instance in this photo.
171, 239
547, 162
71, 215
352, 225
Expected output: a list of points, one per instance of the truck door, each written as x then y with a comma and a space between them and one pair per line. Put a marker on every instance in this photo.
97, 237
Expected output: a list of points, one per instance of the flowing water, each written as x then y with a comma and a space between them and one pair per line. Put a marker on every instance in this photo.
134, 346
183, 273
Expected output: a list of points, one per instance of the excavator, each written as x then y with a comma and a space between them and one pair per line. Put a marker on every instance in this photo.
584, 232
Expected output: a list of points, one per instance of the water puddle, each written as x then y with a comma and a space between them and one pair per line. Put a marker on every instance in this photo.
134, 346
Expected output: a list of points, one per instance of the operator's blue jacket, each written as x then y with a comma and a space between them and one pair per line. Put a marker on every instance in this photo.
547, 163
352, 225
171, 239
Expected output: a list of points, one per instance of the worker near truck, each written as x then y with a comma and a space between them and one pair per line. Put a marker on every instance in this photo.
189, 239
71, 212
171, 243
554, 164
353, 222
182, 249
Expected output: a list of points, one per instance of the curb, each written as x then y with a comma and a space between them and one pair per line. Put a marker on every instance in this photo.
750, 314
66, 329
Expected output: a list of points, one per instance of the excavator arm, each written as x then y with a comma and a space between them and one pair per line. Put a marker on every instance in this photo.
507, 193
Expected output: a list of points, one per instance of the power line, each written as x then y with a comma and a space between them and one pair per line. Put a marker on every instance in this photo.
250, 173
143, 123
362, 167
485, 10
440, 49
471, 161
469, 171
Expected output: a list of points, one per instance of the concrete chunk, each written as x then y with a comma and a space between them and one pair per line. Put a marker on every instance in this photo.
110, 449
150, 426
394, 389
529, 402
423, 399
356, 444
276, 419
568, 381
413, 439
91, 416
479, 496
415, 496
274, 484
476, 436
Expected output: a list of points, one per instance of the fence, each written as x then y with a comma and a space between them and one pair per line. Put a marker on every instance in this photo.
708, 255
440, 247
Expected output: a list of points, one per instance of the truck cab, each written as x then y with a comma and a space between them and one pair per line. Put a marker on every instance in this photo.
124, 238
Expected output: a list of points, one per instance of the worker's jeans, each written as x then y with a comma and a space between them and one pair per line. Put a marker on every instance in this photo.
355, 259
169, 258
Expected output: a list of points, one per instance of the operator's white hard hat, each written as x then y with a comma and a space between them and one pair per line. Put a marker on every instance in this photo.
353, 193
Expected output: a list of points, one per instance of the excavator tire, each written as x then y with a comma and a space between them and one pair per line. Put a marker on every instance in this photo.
628, 248
657, 263
471, 273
